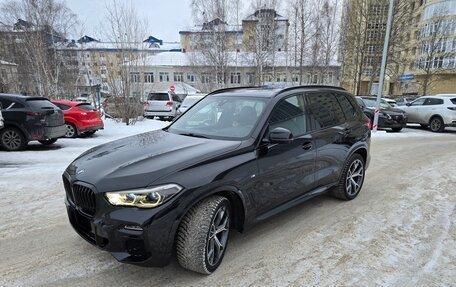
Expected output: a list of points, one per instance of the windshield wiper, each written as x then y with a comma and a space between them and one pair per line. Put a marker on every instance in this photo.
193, 135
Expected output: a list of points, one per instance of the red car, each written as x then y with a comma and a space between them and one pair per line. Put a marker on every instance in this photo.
80, 118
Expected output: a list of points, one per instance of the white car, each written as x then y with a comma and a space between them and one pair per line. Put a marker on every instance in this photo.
189, 101
392, 102
437, 111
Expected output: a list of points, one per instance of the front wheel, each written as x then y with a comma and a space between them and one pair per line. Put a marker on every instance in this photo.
436, 124
203, 235
47, 142
352, 178
396, 129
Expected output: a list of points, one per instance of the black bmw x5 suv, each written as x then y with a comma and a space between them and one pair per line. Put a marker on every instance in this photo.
236, 158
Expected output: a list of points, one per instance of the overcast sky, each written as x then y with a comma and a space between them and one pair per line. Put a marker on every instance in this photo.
165, 17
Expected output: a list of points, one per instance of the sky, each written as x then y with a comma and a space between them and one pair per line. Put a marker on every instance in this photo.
165, 17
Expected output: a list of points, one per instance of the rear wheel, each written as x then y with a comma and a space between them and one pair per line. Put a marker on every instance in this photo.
47, 142
436, 124
72, 131
203, 235
12, 139
352, 178
396, 129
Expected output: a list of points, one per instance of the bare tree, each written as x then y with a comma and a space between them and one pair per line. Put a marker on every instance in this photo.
125, 30
33, 31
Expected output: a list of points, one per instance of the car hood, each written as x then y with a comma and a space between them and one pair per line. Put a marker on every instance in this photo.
139, 160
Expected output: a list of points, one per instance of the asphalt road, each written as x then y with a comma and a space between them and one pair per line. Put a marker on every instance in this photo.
400, 231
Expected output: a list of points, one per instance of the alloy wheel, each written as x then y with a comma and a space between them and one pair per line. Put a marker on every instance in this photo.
11, 139
218, 236
70, 131
436, 124
354, 178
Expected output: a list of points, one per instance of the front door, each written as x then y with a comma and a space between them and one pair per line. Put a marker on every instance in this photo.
285, 171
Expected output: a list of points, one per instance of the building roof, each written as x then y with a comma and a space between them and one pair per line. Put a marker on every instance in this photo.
256, 16
180, 88
234, 59
113, 46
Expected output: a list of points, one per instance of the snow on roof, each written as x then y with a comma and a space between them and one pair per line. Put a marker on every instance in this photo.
140, 46
234, 59
180, 88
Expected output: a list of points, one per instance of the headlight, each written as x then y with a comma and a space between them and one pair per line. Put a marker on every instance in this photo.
386, 115
145, 198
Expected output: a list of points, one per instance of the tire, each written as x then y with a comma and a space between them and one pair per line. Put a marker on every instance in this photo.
396, 129
12, 139
47, 142
72, 131
348, 189
196, 242
161, 118
436, 124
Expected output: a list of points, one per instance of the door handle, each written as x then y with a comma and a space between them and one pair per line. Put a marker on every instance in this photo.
307, 146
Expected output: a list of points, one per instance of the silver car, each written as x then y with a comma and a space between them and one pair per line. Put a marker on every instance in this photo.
189, 101
162, 105
436, 112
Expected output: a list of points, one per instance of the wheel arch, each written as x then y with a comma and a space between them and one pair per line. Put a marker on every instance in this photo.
8, 124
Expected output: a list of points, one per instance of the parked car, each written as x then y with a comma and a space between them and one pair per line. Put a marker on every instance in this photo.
404, 100
28, 119
84, 99
162, 105
238, 157
392, 102
435, 112
189, 101
389, 117
80, 118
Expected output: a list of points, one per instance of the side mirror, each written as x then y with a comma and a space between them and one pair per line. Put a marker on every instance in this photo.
280, 136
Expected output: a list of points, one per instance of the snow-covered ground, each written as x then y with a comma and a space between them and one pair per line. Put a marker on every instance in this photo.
29, 179
399, 231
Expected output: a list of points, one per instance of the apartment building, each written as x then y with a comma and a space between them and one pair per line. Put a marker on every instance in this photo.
421, 54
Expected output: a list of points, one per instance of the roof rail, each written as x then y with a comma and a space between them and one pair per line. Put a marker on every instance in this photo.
232, 89
310, 86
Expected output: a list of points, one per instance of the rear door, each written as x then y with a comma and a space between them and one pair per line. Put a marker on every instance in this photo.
49, 114
158, 102
331, 133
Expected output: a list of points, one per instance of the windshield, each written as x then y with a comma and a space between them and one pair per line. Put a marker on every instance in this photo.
220, 117
373, 103
188, 101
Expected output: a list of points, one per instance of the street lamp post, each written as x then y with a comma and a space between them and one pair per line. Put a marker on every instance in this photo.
382, 71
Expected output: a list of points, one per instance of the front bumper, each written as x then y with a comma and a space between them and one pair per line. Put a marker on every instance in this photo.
148, 113
131, 235
393, 122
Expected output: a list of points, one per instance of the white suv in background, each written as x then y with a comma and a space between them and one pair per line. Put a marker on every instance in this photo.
162, 105
436, 112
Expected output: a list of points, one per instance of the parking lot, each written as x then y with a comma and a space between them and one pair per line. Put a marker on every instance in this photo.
399, 231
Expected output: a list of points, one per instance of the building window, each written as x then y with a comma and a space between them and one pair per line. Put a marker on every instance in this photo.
164, 77
191, 78
103, 72
148, 77
250, 78
104, 80
135, 77
281, 77
178, 77
205, 78
235, 78
315, 79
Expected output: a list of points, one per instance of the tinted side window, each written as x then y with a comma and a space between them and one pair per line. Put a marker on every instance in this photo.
418, 102
453, 101
87, 107
176, 98
9, 104
433, 102
347, 107
62, 106
290, 114
325, 110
